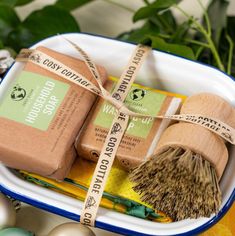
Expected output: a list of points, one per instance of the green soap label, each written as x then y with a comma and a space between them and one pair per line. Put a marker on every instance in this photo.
138, 100
33, 100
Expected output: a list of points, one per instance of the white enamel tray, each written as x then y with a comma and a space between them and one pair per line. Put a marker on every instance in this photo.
161, 70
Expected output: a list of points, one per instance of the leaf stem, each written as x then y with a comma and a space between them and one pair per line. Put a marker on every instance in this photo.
198, 52
164, 23
120, 5
208, 23
230, 55
166, 36
206, 45
195, 22
215, 53
146, 2
206, 34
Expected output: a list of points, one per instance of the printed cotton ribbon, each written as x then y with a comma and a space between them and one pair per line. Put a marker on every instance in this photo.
119, 124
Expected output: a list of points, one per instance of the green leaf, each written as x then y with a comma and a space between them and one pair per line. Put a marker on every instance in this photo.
71, 4
1, 44
165, 21
177, 49
217, 11
22, 2
181, 32
41, 24
231, 27
21, 38
142, 34
8, 21
151, 9
49, 21
13, 3
10, 3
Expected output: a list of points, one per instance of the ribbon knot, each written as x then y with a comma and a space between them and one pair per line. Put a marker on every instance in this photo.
119, 105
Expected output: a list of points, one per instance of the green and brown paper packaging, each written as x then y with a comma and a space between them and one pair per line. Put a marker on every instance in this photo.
142, 134
40, 116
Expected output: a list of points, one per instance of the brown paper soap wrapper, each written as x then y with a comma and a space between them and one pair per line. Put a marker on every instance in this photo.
133, 149
49, 153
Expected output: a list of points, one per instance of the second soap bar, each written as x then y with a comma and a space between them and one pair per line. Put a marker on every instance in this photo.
141, 135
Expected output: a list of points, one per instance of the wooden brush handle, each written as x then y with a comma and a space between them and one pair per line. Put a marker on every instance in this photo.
197, 138
209, 105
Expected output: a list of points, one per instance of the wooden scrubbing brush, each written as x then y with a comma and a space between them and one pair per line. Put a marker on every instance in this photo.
181, 179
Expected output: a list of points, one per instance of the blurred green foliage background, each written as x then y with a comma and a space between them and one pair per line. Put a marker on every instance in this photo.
209, 39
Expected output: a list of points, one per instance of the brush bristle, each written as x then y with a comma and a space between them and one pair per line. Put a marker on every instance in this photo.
179, 183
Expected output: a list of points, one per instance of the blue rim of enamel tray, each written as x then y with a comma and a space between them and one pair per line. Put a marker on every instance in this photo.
113, 228
106, 226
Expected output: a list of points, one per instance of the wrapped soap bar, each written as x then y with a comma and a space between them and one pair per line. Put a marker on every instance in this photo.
142, 134
40, 116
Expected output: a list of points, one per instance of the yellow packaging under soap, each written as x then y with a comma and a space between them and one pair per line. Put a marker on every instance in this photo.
118, 194
142, 134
